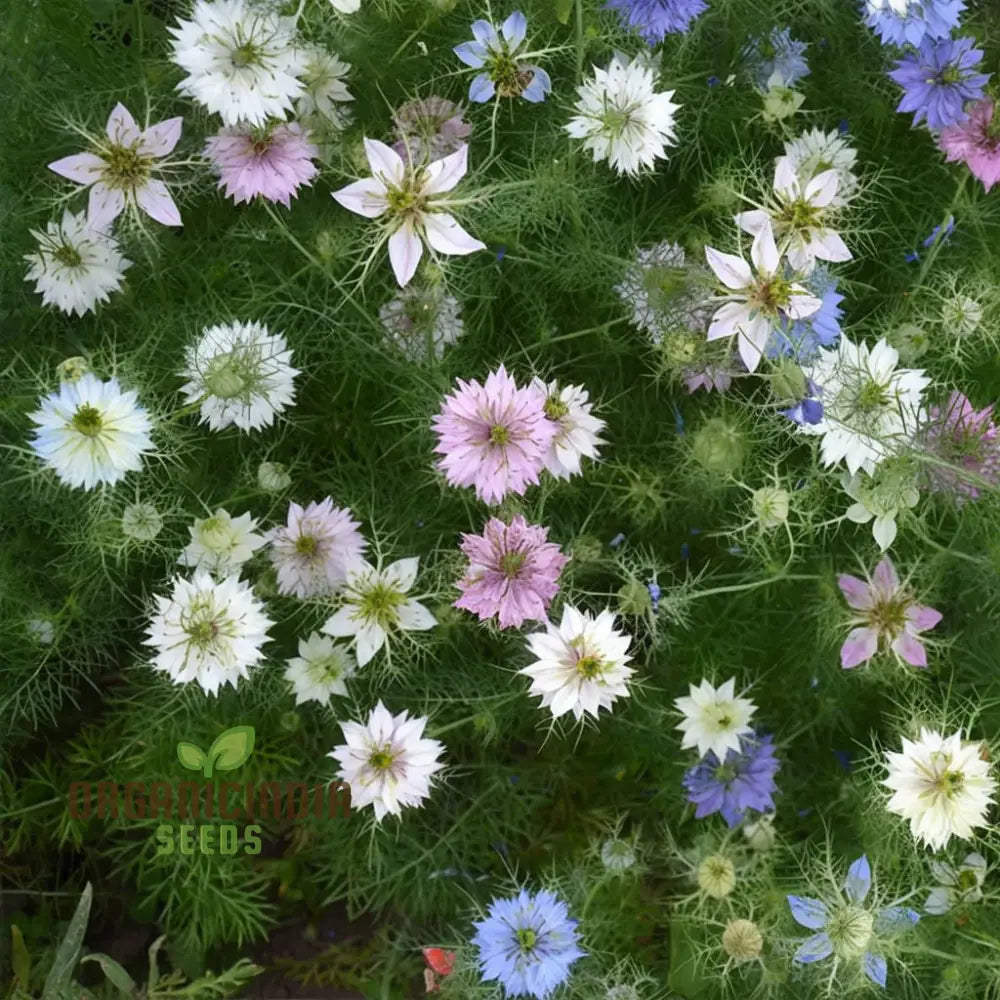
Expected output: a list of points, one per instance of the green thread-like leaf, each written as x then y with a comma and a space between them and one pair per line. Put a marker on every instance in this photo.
69, 950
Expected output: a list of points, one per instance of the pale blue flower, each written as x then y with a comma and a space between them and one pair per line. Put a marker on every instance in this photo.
495, 52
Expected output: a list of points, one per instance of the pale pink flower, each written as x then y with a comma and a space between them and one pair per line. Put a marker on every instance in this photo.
887, 614
513, 572
708, 377
271, 162
314, 552
119, 172
975, 142
494, 436
966, 445
412, 195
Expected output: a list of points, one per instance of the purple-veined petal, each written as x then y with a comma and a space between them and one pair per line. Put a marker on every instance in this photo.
471, 53
405, 251
121, 128
105, 204
894, 919
160, 139
876, 968
514, 29
445, 235
885, 578
485, 34
442, 175
734, 272
809, 912
83, 168
154, 199
858, 647
857, 592
365, 197
814, 949
859, 880
481, 89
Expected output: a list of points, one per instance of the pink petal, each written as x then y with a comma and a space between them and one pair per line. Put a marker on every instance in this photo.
405, 250
444, 174
733, 272
105, 204
911, 650
385, 162
365, 197
122, 129
857, 592
859, 646
154, 199
922, 618
84, 168
160, 139
885, 578
445, 235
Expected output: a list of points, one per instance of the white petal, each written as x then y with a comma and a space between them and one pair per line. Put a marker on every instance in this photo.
444, 174
342, 623
732, 271
385, 162
365, 197
414, 617
786, 183
405, 250
154, 199
445, 235
403, 572
369, 640
752, 222
822, 189
728, 320
884, 530
764, 253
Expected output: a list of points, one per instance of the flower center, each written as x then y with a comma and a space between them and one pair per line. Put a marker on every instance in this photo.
871, 397
88, 421
499, 434
511, 563
507, 76
950, 783
949, 76
725, 773
771, 295
617, 121
967, 880
407, 200
246, 54
526, 939
227, 377
555, 408
124, 167
889, 615
326, 670
379, 604
67, 256
306, 545
382, 758
800, 215
215, 535
590, 666
850, 930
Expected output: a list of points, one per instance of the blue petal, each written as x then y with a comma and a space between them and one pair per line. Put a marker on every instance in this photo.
471, 53
876, 968
486, 34
814, 949
540, 85
808, 912
514, 29
481, 89
894, 919
859, 880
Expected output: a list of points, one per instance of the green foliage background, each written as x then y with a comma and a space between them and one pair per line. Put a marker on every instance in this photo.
519, 800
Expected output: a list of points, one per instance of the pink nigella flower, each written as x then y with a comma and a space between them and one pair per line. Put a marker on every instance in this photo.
119, 172
886, 614
967, 443
271, 162
513, 572
314, 552
708, 378
493, 436
975, 142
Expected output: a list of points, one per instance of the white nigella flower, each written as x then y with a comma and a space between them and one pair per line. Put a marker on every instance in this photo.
879, 500
76, 264
942, 785
325, 91
387, 761
956, 886
346, 6
871, 408
221, 543
961, 315
320, 669
241, 374
816, 151
756, 303
714, 718
376, 604
622, 118
798, 214
241, 59
207, 631
581, 664
579, 431
120, 169
411, 194
91, 432
780, 102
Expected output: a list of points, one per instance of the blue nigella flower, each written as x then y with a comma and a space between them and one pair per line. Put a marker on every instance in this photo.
941, 231
801, 339
654, 19
848, 929
496, 53
920, 20
527, 944
778, 53
938, 79
654, 595
745, 780
808, 410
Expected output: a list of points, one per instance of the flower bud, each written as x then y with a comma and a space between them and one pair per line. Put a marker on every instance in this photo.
770, 506
273, 477
719, 446
788, 383
716, 876
742, 940
961, 315
72, 369
760, 833
634, 599
617, 855
141, 521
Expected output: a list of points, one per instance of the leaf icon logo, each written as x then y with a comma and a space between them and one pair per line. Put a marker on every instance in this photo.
231, 748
